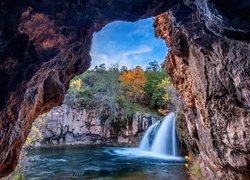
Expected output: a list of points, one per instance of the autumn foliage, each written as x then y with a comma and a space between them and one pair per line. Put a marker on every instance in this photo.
120, 90
134, 82
76, 84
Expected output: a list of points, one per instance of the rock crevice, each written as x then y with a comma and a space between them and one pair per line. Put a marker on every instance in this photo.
211, 73
44, 44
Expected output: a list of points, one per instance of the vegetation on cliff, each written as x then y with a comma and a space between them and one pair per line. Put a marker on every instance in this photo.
118, 93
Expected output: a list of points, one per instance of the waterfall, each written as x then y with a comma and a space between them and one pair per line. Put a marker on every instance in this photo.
174, 140
145, 142
165, 139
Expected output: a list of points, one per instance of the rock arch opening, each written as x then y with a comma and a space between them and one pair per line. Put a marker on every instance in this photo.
44, 44
55, 38
85, 115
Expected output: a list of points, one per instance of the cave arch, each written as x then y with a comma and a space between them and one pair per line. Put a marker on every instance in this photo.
44, 44
127, 44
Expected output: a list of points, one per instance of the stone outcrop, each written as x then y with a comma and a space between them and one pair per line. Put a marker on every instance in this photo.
44, 44
209, 66
65, 125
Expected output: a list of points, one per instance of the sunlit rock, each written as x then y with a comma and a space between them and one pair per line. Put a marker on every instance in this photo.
44, 44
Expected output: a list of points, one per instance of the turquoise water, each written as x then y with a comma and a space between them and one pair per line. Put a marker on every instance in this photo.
83, 162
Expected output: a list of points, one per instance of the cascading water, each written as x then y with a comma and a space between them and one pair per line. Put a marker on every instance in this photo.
165, 140
145, 142
160, 141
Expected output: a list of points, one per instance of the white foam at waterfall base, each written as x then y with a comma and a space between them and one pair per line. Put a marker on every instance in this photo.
139, 153
165, 141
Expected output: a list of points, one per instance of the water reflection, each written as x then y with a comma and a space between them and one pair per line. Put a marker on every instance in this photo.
100, 163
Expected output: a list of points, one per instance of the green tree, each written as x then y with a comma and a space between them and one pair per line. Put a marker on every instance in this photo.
116, 94
106, 91
100, 68
153, 66
124, 68
99, 90
157, 94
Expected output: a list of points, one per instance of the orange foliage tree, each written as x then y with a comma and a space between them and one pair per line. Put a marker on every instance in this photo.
133, 82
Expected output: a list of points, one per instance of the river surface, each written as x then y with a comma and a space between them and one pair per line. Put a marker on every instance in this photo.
81, 162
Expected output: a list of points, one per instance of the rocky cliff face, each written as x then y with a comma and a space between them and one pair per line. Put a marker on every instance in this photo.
65, 125
211, 71
44, 44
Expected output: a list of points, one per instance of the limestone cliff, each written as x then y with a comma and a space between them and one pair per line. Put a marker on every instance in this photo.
44, 44
65, 125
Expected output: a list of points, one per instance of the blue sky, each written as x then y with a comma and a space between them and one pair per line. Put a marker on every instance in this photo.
127, 44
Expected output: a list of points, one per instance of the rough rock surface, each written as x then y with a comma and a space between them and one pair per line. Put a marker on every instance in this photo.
210, 69
67, 125
43, 44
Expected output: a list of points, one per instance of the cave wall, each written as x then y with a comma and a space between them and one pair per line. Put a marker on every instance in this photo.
44, 44
211, 72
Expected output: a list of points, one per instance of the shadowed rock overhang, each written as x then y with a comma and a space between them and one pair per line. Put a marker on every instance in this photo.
44, 44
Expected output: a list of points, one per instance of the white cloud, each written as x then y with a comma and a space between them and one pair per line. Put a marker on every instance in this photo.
127, 44
140, 50
143, 29
123, 58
